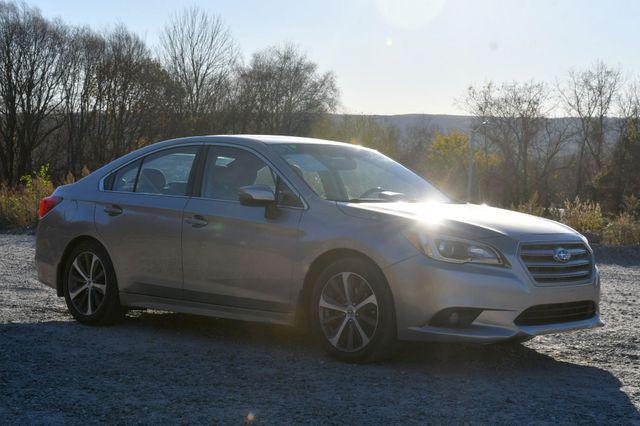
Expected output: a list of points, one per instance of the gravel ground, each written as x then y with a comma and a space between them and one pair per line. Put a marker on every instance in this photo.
170, 368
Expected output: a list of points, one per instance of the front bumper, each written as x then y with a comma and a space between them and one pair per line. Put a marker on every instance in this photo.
422, 287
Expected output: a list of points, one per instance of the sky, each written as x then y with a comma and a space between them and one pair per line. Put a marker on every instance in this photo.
405, 56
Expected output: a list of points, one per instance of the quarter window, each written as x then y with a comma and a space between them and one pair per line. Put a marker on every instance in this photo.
124, 180
166, 172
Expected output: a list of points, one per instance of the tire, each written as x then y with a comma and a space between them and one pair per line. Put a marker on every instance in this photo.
89, 276
361, 328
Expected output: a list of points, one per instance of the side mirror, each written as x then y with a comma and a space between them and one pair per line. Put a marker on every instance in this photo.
256, 195
259, 195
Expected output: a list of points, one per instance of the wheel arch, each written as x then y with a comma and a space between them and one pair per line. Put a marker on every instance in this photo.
65, 254
315, 269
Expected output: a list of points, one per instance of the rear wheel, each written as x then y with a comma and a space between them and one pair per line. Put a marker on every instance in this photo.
90, 287
352, 311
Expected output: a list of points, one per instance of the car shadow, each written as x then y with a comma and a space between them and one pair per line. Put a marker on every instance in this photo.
158, 366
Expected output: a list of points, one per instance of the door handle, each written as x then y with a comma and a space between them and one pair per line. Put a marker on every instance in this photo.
113, 210
196, 221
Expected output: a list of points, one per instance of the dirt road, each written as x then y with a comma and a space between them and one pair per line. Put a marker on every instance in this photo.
162, 367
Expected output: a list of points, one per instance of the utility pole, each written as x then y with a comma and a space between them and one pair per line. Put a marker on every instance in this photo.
471, 152
470, 172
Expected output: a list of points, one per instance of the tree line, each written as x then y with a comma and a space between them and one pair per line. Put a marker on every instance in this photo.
535, 143
579, 138
72, 97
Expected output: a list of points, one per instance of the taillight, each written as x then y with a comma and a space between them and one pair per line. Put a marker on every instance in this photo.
47, 204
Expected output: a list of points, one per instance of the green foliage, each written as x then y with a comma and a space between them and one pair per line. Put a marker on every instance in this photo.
19, 206
447, 162
448, 159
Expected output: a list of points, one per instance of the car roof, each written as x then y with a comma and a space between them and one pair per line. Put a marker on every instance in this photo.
275, 139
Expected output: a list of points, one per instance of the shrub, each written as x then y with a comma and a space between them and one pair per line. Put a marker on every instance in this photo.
583, 216
19, 206
623, 230
632, 205
530, 207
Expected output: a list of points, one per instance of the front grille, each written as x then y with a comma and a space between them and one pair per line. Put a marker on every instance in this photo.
546, 269
557, 313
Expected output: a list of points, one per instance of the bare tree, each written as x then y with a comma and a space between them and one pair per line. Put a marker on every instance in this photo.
517, 113
620, 177
32, 71
363, 130
127, 92
79, 91
72, 97
414, 145
589, 96
200, 55
548, 160
281, 91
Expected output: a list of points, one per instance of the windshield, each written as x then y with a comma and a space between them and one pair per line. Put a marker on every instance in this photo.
356, 174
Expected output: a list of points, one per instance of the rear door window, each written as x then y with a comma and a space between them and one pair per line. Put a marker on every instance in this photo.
167, 172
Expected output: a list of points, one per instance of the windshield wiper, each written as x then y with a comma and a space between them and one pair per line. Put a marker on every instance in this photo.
368, 200
391, 195
383, 197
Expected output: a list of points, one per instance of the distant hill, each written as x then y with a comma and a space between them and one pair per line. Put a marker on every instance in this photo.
442, 122
445, 123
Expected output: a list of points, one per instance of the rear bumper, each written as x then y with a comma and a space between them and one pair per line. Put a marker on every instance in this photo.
422, 287
46, 273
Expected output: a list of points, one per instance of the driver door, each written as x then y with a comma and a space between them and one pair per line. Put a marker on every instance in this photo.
232, 254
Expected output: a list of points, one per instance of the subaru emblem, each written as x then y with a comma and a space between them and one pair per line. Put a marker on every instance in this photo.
561, 255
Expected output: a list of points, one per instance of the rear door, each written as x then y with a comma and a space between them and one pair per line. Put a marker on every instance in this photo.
232, 254
139, 217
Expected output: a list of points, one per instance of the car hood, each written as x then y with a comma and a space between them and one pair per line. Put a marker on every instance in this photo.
477, 221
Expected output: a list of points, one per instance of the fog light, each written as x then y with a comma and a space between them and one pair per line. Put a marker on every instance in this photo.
455, 317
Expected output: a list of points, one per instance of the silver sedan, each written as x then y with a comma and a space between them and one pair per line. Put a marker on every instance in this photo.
286, 230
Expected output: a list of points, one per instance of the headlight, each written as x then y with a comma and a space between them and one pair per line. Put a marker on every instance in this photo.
455, 250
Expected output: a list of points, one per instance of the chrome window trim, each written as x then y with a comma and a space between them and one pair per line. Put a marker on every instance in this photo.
208, 144
141, 157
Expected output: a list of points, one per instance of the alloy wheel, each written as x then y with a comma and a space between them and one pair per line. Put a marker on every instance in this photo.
87, 283
348, 310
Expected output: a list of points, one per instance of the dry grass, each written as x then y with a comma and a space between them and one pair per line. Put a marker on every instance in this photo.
584, 216
19, 209
19, 206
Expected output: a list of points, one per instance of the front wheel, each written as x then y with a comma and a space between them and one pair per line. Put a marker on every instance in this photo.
90, 288
352, 311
